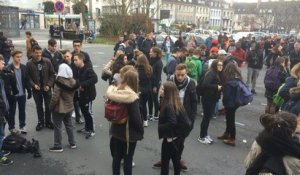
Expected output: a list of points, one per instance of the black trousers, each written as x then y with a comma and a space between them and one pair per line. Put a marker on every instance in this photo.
118, 149
230, 121
208, 109
144, 98
87, 112
155, 102
170, 150
76, 110
41, 97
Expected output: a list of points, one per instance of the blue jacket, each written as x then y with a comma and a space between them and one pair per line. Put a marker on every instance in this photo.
229, 93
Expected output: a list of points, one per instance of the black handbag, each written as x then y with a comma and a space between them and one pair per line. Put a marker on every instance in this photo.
105, 76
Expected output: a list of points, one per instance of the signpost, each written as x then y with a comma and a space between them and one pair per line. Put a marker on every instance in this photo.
59, 7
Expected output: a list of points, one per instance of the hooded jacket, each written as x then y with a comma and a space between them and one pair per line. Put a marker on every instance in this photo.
229, 93
136, 129
63, 94
291, 164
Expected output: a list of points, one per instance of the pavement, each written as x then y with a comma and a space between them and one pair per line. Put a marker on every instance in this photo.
92, 157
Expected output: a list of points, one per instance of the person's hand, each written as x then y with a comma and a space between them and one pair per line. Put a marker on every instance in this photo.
155, 89
29, 95
46, 88
37, 87
219, 87
81, 89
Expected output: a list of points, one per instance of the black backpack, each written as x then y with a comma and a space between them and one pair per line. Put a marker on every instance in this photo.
8, 45
19, 144
16, 144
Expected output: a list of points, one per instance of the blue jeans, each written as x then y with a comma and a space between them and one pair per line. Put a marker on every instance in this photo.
21, 100
1, 137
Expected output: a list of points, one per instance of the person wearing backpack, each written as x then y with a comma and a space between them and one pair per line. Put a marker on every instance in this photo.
232, 76
274, 78
122, 145
4, 107
6, 47
62, 106
188, 97
168, 127
254, 59
194, 65
211, 95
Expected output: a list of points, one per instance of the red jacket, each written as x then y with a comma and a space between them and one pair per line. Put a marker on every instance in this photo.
240, 55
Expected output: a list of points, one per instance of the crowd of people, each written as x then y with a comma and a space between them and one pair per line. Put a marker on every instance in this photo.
208, 74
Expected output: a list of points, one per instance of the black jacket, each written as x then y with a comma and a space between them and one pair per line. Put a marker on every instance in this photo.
145, 84
146, 46
87, 79
157, 66
295, 57
167, 123
190, 99
56, 60
273, 149
255, 59
87, 59
210, 86
13, 80
47, 72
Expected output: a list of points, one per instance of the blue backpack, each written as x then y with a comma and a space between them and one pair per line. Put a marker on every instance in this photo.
243, 94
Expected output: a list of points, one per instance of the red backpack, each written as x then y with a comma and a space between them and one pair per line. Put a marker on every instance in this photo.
116, 112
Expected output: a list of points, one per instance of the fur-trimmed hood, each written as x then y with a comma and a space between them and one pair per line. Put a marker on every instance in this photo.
126, 95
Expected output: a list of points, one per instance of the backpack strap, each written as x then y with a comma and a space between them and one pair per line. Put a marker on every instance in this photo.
127, 136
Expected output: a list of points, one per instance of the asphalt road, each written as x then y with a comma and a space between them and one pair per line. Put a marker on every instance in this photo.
92, 157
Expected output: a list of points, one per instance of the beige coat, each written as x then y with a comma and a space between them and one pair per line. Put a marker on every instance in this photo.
291, 164
63, 94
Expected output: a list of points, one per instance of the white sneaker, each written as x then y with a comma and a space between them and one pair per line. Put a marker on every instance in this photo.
209, 139
23, 130
204, 140
145, 123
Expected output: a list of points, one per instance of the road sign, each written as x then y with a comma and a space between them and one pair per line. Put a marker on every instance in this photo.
59, 6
